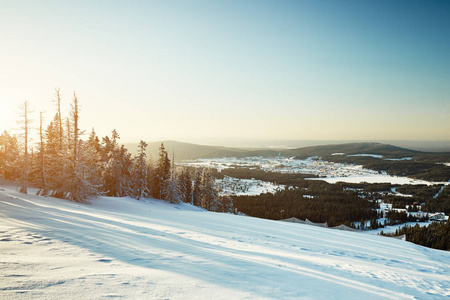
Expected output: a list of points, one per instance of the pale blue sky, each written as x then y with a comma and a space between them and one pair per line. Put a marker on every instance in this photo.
364, 70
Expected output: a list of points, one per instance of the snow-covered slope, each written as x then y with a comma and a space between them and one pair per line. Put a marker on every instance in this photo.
120, 247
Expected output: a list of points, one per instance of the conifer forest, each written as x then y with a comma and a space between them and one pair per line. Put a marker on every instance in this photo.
71, 164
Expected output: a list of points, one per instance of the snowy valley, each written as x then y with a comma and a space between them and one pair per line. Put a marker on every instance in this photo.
332, 173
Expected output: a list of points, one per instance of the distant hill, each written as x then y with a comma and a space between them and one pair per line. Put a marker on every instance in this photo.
354, 148
422, 145
186, 151
382, 157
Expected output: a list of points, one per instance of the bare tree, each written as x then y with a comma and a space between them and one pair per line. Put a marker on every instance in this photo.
75, 115
24, 123
44, 189
69, 137
58, 103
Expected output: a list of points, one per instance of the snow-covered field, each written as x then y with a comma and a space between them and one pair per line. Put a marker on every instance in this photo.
377, 178
328, 171
120, 247
393, 228
312, 165
237, 187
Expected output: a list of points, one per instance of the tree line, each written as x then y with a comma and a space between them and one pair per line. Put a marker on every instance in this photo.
66, 166
436, 235
317, 201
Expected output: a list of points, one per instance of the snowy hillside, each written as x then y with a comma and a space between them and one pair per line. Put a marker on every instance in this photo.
121, 247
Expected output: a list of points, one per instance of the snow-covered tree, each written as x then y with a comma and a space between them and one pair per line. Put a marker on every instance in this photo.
162, 174
9, 156
140, 172
78, 187
224, 204
91, 154
171, 191
197, 189
185, 184
117, 167
209, 192
57, 161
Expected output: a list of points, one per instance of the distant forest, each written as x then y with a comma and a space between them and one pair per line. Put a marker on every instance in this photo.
436, 235
318, 202
66, 166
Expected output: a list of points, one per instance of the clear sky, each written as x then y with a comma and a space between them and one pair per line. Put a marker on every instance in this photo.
185, 70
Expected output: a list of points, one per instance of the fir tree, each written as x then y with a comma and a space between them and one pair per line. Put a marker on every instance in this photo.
162, 173
118, 167
57, 159
197, 190
140, 172
9, 156
224, 204
91, 152
185, 184
171, 191
209, 192
78, 188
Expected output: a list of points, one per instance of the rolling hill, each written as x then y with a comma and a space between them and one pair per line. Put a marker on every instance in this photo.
352, 149
186, 151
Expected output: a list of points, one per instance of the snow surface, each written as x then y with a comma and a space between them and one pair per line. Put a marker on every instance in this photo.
440, 190
238, 187
381, 157
398, 194
399, 159
120, 247
393, 228
367, 155
377, 178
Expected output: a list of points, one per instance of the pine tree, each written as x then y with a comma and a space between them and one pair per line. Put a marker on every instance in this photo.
92, 158
150, 176
197, 190
209, 192
9, 156
140, 172
185, 184
224, 204
57, 159
171, 190
118, 166
162, 173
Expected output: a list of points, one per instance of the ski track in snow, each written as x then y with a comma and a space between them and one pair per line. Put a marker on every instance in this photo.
124, 248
